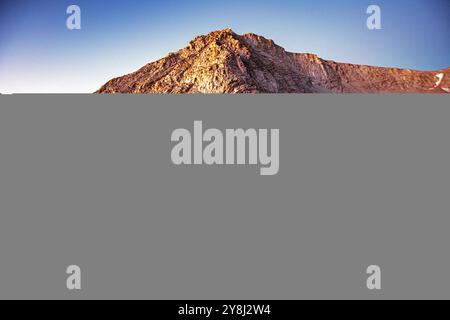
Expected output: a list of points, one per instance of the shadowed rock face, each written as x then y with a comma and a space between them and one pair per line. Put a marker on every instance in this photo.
224, 62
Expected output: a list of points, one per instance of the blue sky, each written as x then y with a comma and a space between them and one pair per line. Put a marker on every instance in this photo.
39, 55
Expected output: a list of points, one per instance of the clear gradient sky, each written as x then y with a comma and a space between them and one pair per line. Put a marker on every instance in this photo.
38, 54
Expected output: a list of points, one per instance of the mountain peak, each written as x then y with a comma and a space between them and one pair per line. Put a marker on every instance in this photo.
225, 62
219, 34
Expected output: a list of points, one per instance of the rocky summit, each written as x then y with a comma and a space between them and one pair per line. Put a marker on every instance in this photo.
225, 62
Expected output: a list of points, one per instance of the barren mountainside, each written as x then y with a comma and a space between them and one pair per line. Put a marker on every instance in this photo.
225, 62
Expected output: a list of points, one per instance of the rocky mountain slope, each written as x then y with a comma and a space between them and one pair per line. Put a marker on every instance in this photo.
225, 62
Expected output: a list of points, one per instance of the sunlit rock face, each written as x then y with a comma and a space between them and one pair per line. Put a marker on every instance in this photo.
225, 62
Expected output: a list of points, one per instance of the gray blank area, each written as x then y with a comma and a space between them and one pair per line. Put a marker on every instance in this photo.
88, 180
